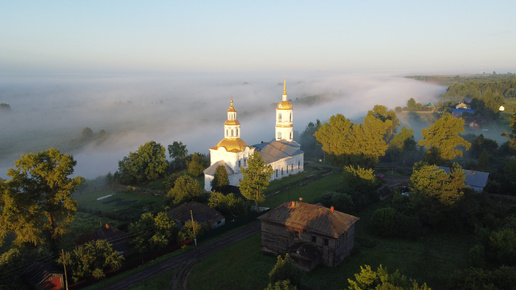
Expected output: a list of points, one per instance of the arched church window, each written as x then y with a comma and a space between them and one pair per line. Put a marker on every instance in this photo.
279, 117
279, 135
281, 171
232, 133
227, 132
291, 135
237, 132
290, 117
276, 173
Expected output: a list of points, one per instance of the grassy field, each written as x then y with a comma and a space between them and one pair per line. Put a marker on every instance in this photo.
294, 187
123, 203
430, 259
242, 266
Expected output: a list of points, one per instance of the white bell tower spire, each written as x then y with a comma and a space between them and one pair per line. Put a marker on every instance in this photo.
284, 118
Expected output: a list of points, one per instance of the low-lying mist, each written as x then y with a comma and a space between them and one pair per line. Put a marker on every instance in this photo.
51, 111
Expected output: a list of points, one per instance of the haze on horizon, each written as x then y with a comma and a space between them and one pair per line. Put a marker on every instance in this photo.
165, 71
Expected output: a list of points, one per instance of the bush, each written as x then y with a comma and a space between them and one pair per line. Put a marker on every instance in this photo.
384, 222
285, 269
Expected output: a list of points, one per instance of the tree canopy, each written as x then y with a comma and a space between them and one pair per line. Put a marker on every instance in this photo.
382, 279
36, 203
355, 143
178, 152
91, 260
444, 136
153, 232
185, 189
255, 178
220, 180
431, 181
146, 164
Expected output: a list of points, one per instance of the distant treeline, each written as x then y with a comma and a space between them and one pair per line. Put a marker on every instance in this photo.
451, 80
5, 107
481, 89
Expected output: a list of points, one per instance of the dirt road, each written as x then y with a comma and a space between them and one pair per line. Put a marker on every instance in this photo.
185, 262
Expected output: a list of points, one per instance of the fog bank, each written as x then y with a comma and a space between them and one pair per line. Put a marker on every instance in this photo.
51, 111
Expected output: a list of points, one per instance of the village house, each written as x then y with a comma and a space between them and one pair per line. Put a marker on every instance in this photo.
310, 233
43, 276
201, 213
476, 180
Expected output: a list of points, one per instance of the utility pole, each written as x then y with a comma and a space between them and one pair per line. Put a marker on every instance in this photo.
64, 266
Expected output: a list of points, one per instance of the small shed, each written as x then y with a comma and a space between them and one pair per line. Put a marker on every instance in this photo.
43, 276
310, 233
201, 214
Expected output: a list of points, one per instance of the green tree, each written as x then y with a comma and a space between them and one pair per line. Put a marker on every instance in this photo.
185, 189
412, 105
403, 145
285, 269
431, 181
355, 143
382, 279
361, 184
36, 203
512, 135
341, 201
229, 206
220, 180
91, 260
153, 232
334, 134
197, 164
483, 161
308, 142
146, 164
87, 133
380, 112
255, 178
281, 285
444, 135
384, 221
192, 230
478, 278
178, 152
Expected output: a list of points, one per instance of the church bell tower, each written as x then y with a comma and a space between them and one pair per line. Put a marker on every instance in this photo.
284, 118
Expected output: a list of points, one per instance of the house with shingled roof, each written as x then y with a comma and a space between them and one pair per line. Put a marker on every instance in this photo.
310, 233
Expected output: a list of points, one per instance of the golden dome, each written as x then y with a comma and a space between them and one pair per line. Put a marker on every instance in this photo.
231, 108
284, 105
231, 123
231, 145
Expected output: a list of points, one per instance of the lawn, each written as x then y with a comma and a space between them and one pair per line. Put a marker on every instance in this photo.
431, 259
309, 191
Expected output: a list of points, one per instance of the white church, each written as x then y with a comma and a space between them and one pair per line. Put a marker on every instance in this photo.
284, 155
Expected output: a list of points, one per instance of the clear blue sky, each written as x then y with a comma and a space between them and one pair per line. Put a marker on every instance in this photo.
176, 36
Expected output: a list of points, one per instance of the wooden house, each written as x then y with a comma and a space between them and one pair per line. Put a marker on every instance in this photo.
311, 234
201, 214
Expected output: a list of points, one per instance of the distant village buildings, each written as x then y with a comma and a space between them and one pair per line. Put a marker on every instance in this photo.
284, 154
